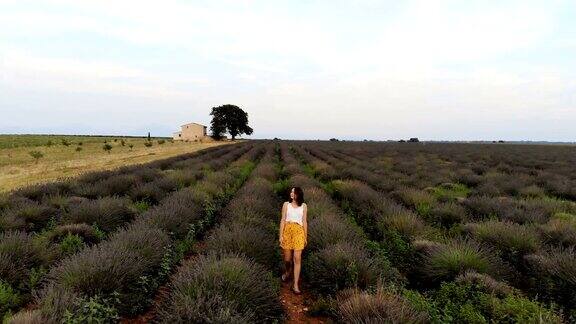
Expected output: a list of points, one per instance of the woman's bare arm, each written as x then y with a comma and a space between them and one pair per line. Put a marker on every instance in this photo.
305, 222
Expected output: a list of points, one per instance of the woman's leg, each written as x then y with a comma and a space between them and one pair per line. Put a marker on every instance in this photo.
287, 262
297, 266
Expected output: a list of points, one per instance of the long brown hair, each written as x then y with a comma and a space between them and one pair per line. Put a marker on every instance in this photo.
299, 193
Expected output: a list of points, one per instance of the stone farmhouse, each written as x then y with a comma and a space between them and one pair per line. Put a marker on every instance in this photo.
190, 132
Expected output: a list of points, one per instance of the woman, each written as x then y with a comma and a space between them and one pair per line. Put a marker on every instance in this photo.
293, 234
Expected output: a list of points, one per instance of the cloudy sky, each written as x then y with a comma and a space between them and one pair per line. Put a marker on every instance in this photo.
301, 69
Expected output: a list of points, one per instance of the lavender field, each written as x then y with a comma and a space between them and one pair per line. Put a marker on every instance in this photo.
398, 233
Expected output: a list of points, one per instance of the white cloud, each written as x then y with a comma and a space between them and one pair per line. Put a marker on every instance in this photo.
25, 70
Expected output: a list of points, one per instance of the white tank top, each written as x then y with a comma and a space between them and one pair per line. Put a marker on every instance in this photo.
295, 214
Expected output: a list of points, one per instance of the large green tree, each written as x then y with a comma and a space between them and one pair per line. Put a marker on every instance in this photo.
231, 119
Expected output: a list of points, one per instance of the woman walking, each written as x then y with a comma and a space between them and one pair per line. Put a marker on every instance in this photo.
293, 235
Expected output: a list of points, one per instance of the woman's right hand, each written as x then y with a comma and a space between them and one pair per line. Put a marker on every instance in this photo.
280, 239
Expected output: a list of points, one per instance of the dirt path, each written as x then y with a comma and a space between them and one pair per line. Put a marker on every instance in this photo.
148, 317
296, 306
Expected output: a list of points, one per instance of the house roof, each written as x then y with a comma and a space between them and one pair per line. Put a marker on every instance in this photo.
193, 124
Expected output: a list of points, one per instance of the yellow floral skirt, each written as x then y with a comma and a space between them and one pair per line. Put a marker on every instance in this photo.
293, 236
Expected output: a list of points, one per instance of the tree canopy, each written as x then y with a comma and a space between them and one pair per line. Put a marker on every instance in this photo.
229, 119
